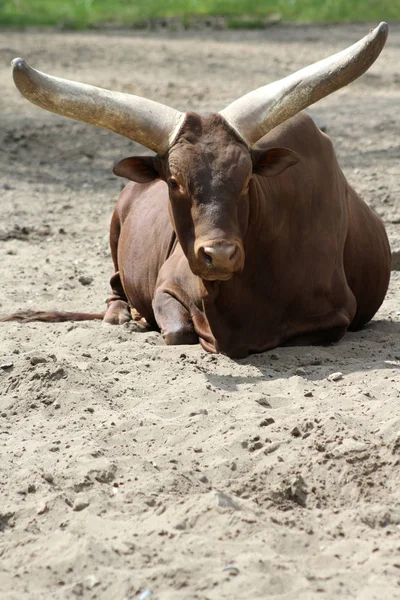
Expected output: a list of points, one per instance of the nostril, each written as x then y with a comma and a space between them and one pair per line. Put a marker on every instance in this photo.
206, 256
207, 259
234, 254
220, 256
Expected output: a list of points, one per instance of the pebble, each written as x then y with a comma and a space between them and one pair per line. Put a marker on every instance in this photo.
42, 508
57, 404
225, 501
308, 394
256, 446
80, 504
78, 589
295, 432
48, 477
7, 365
85, 280
231, 568
263, 402
145, 594
300, 371
267, 421
297, 490
335, 376
91, 581
271, 448
37, 359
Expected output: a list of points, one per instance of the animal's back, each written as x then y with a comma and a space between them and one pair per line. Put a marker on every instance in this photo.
366, 254
367, 259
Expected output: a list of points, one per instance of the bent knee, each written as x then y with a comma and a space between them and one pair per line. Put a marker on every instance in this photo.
179, 337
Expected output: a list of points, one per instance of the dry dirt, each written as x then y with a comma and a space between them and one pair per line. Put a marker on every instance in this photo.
134, 470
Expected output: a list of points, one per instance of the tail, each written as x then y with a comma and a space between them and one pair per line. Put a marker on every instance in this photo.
28, 316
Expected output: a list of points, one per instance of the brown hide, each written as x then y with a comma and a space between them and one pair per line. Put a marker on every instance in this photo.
309, 258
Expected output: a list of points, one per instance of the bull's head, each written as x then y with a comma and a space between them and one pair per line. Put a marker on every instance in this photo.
206, 161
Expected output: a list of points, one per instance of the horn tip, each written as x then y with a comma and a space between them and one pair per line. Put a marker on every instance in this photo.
382, 29
18, 64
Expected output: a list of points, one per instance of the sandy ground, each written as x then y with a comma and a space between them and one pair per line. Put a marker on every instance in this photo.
130, 469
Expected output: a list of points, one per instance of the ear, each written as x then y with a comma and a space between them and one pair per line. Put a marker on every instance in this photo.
141, 169
273, 161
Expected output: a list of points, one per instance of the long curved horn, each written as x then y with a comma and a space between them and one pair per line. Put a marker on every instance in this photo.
256, 113
149, 123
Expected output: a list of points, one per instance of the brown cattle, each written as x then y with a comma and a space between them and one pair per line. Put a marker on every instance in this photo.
242, 232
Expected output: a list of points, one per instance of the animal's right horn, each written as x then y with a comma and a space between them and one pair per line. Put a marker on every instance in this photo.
256, 113
152, 124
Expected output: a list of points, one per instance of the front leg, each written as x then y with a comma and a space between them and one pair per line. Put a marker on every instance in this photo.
173, 319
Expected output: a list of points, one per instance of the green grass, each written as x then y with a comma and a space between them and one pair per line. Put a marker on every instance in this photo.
80, 14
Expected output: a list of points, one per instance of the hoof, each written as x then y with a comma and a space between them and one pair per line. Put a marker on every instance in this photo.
117, 313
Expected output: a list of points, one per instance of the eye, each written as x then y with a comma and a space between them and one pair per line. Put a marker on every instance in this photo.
173, 184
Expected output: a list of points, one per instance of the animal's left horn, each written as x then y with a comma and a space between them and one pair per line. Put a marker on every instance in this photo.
256, 113
149, 123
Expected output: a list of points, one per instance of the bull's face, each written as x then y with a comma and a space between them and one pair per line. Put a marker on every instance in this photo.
208, 170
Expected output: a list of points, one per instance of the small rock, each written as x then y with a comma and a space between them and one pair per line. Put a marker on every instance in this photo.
91, 581
7, 365
271, 448
37, 359
85, 280
78, 589
256, 446
57, 404
42, 508
225, 501
181, 526
145, 595
295, 432
80, 504
203, 479
48, 477
297, 490
300, 371
31, 488
274, 356
231, 568
335, 376
264, 402
308, 394
267, 421
201, 411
